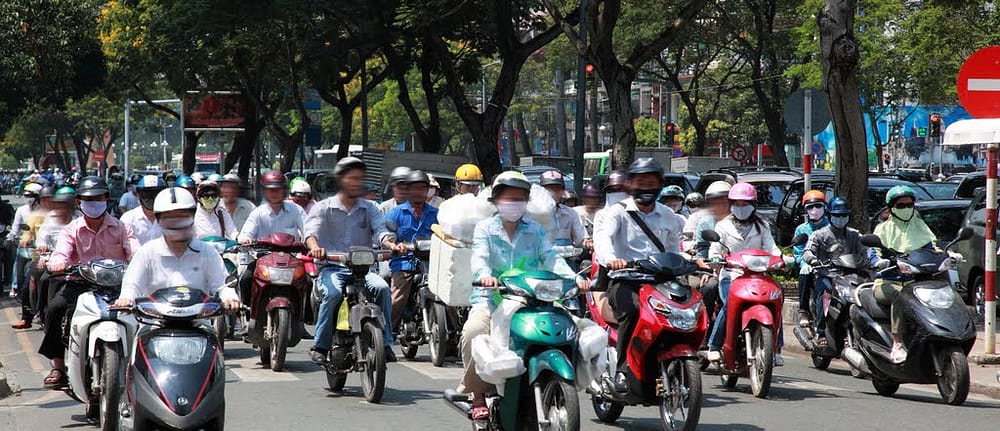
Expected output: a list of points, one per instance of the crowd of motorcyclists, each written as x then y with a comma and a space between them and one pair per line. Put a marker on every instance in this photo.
628, 217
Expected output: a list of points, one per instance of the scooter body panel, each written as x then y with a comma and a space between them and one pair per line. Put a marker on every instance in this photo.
754, 297
93, 323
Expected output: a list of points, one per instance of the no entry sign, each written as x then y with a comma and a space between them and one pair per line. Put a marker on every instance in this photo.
979, 83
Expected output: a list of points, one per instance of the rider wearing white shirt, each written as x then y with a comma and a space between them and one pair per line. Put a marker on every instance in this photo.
141, 219
210, 219
274, 215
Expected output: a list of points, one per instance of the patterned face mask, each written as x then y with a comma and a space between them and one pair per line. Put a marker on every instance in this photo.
209, 202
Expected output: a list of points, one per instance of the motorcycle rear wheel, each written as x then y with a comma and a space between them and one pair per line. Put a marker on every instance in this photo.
112, 378
762, 343
372, 352
682, 396
561, 405
885, 388
953, 384
280, 322
409, 350
821, 362
336, 381
606, 411
438, 339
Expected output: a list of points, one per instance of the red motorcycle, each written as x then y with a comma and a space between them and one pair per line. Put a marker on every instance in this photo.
663, 363
279, 305
753, 317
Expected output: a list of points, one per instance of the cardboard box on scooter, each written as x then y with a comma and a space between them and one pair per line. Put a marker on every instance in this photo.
448, 274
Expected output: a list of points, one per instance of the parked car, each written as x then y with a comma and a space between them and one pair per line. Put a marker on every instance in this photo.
533, 173
771, 184
971, 182
791, 213
971, 273
940, 190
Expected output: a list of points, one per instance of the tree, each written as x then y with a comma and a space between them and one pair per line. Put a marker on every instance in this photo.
622, 38
647, 132
840, 54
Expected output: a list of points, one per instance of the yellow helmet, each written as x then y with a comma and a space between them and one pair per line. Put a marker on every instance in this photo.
469, 173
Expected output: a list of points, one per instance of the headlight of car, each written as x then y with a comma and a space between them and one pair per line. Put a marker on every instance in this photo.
941, 297
362, 258
179, 350
547, 290
281, 276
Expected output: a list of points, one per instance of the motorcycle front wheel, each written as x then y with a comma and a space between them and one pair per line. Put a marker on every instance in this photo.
280, 326
680, 406
561, 405
336, 381
953, 384
372, 353
112, 378
762, 344
438, 339
221, 325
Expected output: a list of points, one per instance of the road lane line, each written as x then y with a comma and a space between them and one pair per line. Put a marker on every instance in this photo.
26, 345
434, 373
249, 371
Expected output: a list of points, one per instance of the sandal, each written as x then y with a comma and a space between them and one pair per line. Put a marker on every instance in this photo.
56, 379
480, 413
22, 324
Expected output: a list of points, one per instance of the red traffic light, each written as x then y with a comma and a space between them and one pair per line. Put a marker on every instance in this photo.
589, 68
671, 127
935, 118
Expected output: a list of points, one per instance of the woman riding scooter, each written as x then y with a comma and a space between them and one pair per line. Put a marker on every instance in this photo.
743, 229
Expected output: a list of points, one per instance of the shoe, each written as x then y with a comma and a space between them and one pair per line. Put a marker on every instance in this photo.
318, 356
22, 324
804, 318
898, 353
389, 355
714, 355
621, 383
778, 360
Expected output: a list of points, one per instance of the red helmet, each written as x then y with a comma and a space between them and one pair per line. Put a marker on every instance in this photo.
272, 180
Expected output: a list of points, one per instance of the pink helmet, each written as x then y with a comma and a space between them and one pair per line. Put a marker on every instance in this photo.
743, 192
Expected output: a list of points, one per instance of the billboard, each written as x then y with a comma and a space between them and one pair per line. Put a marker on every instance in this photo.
214, 111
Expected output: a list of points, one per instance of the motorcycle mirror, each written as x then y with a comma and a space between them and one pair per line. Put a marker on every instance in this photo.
964, 234
800, 239
871, 240
710, 235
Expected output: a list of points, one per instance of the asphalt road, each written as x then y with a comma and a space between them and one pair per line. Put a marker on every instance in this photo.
801, 398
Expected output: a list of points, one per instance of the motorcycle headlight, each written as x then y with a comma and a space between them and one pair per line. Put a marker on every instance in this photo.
905, 268
683, 319
362, 258
105, 273
280, 276
757, 263
547, 290
179, 350
941, 297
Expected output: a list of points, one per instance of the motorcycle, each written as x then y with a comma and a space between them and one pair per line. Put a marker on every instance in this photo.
939, 330
175, 377
663, 362
847, 272
279, 303
416, 323
544, 338
753, 317
224, 324
96, 343
357, 338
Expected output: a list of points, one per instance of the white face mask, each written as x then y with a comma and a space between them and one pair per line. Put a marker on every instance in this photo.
93, 209
431, 193
742, 213
511, 211
815, 214
676, 207
177, 229
615, 197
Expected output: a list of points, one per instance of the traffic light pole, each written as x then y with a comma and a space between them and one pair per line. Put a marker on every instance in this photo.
807, 141
991, 249
581, 105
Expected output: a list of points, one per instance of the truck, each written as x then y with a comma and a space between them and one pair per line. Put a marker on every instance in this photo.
599, 163
696, 164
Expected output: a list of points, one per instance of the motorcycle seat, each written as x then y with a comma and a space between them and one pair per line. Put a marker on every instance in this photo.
870, 305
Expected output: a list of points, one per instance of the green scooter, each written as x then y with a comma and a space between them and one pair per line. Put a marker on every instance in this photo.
543, 396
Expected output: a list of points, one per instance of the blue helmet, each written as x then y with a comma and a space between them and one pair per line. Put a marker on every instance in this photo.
184, 181
839, 206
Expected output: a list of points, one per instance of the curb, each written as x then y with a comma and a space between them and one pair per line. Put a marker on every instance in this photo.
984, 359
5, 390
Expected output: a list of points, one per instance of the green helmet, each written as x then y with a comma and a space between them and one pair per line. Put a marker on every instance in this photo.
65, 194
899, 192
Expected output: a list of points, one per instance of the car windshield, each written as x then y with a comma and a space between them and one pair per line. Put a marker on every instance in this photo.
941, 190
770, 194
943, 221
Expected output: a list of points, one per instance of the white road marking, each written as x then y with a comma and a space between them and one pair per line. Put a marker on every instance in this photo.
249, 370
983, 84
26, 345
427, 369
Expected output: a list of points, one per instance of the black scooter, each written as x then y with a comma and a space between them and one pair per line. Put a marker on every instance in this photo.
938, 330
176, 378
847, 272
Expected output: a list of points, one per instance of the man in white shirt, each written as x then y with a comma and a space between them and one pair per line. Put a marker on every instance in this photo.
19, 281
210, 219
129, 200
398, 190
142, 220
176, 258
275, 215
238, 208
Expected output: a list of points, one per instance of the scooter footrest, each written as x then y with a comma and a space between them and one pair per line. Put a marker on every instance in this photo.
452, 395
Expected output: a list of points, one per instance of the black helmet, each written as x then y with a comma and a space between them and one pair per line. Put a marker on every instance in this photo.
645, 165
416, 176
92, 186
47, 192
552, 178
616, 179
348, 163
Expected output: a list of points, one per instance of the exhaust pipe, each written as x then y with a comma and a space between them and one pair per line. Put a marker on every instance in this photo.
856, 359
804, 339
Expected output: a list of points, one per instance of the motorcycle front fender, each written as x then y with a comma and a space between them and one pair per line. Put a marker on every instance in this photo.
278, 302
362, 312
107, 332
551, 360
759, 313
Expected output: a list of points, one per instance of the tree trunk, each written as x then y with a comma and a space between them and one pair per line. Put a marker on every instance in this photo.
619, 90
190, 149
346, 124
289, 147
840, 61
523, 137
562, 145
595, 119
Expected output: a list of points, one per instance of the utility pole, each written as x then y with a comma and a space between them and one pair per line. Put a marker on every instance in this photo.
581, 102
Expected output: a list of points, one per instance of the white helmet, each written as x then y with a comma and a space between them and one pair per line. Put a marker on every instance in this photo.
198, 177
718, 189
172, 199
300, 186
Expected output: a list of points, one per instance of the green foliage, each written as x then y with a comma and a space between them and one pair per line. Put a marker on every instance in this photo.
647, 132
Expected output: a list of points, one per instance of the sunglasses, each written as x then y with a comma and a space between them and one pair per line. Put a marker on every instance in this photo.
301, 195
903, 205
814, 206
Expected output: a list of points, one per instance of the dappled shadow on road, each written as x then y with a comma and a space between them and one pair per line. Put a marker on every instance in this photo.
58, 404
81, 422
391, 397
651, 424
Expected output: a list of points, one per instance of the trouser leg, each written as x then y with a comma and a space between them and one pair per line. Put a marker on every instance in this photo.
331, 288
805, 290
402, 285
380, 290
52, 344
625, 300
823, 285
719, 328
246, 283
478, 323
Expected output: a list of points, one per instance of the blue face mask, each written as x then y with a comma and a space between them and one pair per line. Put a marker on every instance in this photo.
840, 222
742, 213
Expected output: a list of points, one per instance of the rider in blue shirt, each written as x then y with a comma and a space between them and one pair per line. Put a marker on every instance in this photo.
410, 221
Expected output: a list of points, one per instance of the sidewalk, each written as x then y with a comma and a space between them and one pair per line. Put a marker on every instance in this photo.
983, 376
